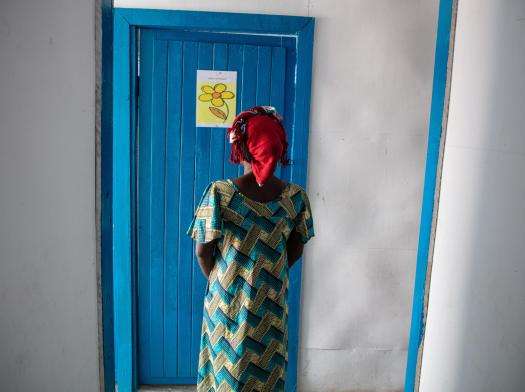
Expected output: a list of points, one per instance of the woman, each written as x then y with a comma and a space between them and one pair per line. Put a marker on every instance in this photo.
249, 231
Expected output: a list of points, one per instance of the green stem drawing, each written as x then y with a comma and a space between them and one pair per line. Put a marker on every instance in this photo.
227, 110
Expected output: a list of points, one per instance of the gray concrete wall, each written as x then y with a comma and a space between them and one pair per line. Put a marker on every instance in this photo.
475, 336
373, 67
48, 323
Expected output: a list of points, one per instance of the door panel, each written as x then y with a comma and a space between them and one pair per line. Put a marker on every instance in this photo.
174, 163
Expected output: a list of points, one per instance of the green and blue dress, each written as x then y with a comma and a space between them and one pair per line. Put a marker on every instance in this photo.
244, 330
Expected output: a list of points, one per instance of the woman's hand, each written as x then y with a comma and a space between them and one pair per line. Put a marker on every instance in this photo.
204, 253
294, 247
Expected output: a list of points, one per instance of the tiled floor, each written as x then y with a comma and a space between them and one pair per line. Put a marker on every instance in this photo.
167, 388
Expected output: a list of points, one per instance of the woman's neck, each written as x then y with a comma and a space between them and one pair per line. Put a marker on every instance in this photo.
269, 191
247, 167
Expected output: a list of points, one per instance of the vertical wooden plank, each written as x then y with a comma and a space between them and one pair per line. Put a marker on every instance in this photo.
121, 216
278, 73
143, 213
264, 68
302, 102
278, 70
289, 110
133, 192
218, 135
235, 63
173, 139
157, 207
249, 76
202, 177
186, 200
249, 82
106, 196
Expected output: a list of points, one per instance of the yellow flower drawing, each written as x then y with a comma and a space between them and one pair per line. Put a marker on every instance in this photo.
217, 95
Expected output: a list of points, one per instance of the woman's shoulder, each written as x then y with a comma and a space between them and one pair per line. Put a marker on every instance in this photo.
220, 183
297, 194
295, 188
223, 187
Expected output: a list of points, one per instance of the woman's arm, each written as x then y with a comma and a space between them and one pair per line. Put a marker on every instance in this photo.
204, 253
294, 247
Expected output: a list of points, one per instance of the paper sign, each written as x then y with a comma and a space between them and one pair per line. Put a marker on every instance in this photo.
216, 98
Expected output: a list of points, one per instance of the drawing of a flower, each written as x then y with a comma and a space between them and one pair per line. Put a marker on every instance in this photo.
217, 95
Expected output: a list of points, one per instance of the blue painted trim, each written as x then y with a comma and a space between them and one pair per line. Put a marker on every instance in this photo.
417, 328
214, 21
121, 211
133, 188
106, 235
120, 195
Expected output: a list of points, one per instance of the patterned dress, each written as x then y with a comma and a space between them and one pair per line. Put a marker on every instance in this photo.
244, 331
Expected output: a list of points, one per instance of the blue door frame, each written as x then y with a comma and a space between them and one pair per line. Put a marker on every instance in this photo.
120, 358
117, 123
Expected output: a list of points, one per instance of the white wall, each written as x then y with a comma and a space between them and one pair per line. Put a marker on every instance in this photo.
373, 66
48, 322
475, 336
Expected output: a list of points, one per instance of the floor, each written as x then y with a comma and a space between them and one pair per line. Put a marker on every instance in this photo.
167, 388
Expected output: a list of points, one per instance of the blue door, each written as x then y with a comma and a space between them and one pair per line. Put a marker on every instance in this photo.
175, 160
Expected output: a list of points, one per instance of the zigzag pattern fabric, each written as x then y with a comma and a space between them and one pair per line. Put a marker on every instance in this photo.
244, 330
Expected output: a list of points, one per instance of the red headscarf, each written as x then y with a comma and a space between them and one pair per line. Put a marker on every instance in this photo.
257, 136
